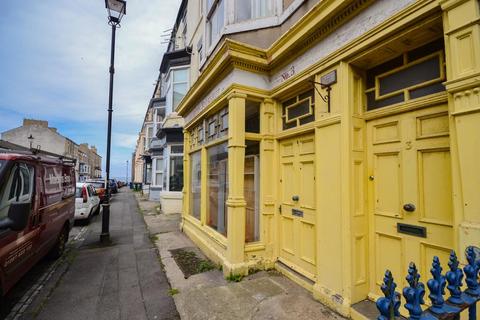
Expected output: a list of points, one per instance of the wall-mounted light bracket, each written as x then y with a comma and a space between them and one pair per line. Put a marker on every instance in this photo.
325, 98
326, 82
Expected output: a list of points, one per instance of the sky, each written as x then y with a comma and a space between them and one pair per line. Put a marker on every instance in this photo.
54, 60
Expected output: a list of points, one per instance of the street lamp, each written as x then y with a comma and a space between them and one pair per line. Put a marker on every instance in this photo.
126, 178
116, 10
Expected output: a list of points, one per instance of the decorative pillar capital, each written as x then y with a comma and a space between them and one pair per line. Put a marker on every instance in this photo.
235, 94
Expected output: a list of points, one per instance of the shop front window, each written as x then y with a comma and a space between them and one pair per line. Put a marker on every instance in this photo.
217, 187
176, 173
252, 190
196, 184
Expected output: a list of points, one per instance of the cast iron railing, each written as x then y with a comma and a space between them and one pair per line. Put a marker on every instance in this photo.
440, 308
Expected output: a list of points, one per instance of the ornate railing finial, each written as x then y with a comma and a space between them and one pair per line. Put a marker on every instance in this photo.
414, 294
454, 278
457, 303
471, 273
437, 290
388, 305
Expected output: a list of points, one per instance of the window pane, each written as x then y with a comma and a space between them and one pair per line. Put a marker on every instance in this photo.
148, 175
243, 10
176, 173
159, 165
217, 187
179, 91
261, 8
252, 117
177, 149
158, 179
251, 191
180, 75
26, 180
416, 74
216, 22
196, 180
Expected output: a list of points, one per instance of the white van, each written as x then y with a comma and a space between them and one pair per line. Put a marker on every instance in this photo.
87, 201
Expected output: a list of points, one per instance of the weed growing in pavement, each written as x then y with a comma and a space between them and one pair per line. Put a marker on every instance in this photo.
234, 277
173, 291
206, 265
153, 238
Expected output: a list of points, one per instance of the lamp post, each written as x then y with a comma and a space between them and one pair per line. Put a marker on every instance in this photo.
116, 10
31, 138
126, 178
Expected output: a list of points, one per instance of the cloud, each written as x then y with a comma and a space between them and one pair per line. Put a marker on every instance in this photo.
124, 140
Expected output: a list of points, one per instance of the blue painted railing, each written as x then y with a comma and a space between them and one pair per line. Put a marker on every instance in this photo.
440, 309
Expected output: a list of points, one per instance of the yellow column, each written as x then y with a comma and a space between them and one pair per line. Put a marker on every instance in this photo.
267, 189
236, 202
461, 21
186, 176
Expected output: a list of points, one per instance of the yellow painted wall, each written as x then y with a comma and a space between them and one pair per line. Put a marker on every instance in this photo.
345, 226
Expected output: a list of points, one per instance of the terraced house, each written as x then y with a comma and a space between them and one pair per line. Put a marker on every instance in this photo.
332, 139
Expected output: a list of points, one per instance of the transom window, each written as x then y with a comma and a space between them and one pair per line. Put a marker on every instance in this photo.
212, 128
298, 110
414, 74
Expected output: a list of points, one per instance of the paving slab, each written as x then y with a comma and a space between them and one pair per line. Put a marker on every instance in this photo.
123, 280
208, 295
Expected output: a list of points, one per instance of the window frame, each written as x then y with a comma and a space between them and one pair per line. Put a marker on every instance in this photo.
173, 83
211, 40
18, 196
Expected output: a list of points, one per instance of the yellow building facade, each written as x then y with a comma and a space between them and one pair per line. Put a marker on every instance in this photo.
350, 146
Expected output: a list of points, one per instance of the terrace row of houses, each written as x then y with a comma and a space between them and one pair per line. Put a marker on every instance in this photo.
36, 134
330, 140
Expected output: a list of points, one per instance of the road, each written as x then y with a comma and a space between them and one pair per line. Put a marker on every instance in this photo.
123, 280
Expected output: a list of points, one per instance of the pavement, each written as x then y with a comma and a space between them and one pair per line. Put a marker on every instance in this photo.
122, 280
208, 295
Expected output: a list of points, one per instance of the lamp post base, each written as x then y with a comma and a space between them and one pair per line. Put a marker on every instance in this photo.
105, 235
105, 238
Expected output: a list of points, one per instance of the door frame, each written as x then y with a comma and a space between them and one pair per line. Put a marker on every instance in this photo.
308, 131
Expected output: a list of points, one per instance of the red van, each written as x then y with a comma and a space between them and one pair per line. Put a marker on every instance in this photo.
37, 207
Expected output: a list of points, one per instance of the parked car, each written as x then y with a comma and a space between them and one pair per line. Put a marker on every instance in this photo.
87, 201
37, 207
100, 188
